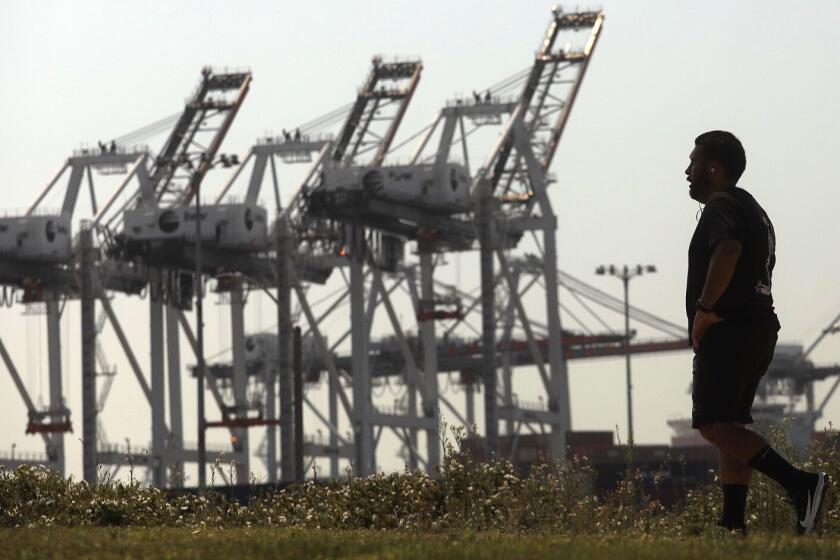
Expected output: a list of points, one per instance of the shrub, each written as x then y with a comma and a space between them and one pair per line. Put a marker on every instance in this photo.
555, 497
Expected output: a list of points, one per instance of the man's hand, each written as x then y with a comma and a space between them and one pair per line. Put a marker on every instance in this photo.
721, 268
702, 321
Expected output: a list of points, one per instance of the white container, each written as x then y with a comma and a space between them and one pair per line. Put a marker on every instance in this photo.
37, 238
227, 226
442, 188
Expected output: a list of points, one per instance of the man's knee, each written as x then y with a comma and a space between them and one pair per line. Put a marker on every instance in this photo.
715, 432
708, 432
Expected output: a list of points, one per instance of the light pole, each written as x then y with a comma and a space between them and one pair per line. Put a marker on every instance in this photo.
627, 273
205, 165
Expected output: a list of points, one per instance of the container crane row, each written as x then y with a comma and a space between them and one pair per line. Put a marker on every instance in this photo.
331, 255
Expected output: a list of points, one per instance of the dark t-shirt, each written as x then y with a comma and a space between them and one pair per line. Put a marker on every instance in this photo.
735, 214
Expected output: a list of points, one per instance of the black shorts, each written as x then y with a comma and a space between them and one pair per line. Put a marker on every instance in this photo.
732, 357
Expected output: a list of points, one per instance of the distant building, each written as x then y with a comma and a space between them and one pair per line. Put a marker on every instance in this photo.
668, 470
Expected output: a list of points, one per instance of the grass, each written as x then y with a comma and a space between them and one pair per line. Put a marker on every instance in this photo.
468, 510
104, 542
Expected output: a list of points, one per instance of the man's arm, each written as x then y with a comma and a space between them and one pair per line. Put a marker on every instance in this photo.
721, 268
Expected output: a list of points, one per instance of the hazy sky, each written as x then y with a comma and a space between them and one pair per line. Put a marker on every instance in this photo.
76, 72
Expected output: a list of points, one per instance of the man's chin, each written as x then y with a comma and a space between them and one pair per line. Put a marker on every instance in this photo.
694, 193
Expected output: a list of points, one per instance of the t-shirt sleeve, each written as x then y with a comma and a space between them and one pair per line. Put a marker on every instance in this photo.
724, 220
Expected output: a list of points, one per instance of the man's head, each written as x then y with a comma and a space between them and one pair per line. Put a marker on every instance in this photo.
717, 162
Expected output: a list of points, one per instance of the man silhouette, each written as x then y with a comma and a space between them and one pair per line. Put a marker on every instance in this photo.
733, 330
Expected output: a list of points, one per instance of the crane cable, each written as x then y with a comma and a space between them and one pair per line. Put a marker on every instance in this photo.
509, 83
148, 130
326, 120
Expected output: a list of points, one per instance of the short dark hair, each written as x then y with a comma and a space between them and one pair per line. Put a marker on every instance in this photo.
723, 147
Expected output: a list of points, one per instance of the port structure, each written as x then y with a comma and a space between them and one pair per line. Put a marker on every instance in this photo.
150, 227
326, 220
789, 384
41, 262
510, 194
307, 249
38, 269
397, 203
158, 228
353, 212
433, 201
442, 205
156, 222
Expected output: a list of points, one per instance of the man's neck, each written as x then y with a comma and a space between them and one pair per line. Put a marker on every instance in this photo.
718, 189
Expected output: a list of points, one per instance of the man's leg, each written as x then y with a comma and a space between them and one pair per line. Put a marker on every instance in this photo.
735, 440
733, 471
752, 450
735, 481
806, 489
727, 369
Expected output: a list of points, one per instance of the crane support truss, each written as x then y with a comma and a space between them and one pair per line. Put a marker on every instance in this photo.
515, 171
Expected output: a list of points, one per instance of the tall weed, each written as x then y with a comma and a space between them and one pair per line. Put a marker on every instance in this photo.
464, 495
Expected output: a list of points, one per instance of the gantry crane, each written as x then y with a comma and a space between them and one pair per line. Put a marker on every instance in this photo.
126, 228
446, 206
790, 379
37, 266
308, 248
